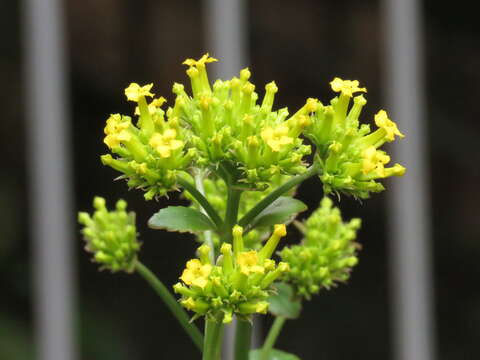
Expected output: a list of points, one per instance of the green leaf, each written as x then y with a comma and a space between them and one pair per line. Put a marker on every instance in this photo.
282, 210
273, 355
181, 219
283, 304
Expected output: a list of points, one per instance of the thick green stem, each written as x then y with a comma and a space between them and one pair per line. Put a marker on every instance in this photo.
272, 337
212, 341
171, 303
231, 215
243, 337
282, 189
204, 203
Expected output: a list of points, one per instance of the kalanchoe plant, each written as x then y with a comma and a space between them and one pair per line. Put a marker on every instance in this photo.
238, 161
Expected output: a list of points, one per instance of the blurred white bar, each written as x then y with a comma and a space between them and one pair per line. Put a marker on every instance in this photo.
49, 158
226, 39
409, 197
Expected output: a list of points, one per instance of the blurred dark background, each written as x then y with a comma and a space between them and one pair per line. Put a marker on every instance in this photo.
301, 45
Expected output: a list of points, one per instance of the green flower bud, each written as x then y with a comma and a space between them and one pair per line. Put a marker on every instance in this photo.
327, 253
111, 236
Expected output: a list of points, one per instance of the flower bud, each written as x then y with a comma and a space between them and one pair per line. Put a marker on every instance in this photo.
111, 236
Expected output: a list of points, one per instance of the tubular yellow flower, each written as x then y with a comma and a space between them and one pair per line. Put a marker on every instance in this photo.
202, 61
374, 160
346, 87
114, 140
153, 106
134, 91
248, 262
166, 143
196, 273
116, 131
383, 122
276, 138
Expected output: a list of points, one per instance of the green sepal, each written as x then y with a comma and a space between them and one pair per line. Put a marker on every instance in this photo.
282, 210
283, 304
274, 354
181, 219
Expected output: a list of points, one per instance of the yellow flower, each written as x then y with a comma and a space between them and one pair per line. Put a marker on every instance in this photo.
202, 61
262, 307
383, 122
196, 274
346, 87
248, 262
116, 131
189, 303
277, 137
135, 91
280, 230
114, 140
153, 106
374, 160
166, 143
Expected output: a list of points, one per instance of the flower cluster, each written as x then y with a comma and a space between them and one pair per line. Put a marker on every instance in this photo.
326, 254
239, 283
152, 152
111, 236
230, 127
347, 151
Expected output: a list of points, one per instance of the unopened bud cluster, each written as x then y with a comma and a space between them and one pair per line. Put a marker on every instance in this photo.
326, 254
238, 284
347, 151
111, 236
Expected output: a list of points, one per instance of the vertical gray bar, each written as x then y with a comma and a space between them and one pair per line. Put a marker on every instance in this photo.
226, 39
48, 139
409, 201
226, 36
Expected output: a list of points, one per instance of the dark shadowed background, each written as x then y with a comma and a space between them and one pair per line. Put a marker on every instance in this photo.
301, 45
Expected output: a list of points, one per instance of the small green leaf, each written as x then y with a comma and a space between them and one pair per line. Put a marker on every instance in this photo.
273, 355
281, 211
283, 304
182, 219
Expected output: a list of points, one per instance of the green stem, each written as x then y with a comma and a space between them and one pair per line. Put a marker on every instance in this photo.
231, 214
212, 340
171, 303
204, 203
199, 175
243, 337
274, 195
272, 337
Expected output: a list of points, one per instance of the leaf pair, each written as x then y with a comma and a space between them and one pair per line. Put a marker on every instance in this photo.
185, 219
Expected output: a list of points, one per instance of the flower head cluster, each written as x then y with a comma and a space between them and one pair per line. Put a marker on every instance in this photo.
230, 127
152, 152
239, 283
111, 236
327, 253
347, 151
